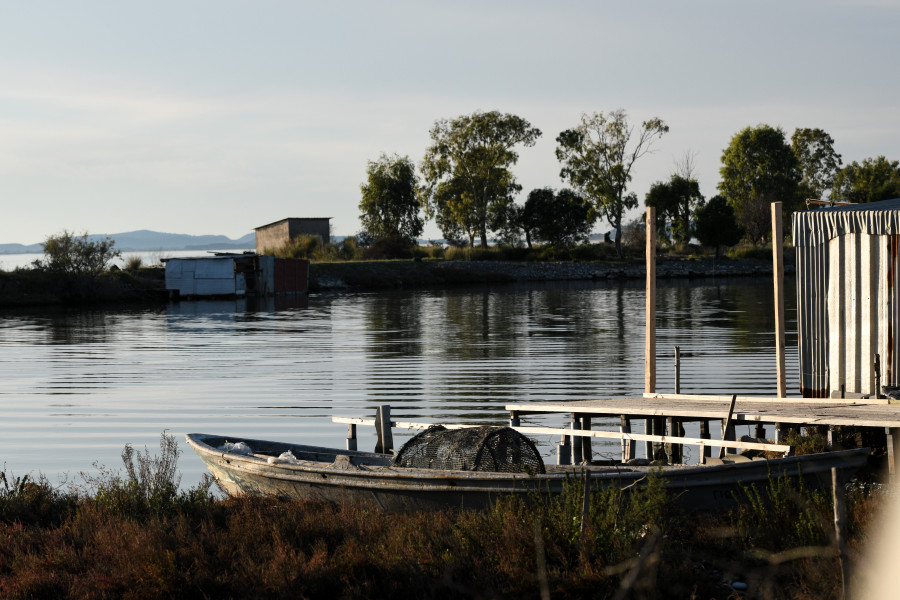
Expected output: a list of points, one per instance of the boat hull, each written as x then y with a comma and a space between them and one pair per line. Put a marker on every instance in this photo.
334, 475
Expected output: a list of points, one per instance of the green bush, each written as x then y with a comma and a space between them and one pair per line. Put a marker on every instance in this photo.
69, 254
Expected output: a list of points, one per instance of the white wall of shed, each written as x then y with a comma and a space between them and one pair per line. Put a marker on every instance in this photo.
861, 314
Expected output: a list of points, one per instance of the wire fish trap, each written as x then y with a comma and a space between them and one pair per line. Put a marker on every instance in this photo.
486, 449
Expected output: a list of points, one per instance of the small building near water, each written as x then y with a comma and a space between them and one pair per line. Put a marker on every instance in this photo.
848, 297
228, 274
277, 234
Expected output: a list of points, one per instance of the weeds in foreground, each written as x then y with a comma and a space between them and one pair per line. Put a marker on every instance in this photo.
133, 533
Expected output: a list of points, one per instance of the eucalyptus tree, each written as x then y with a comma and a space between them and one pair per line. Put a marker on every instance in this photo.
597, 161
389, 207
758, 168
468, 186
871, 180
675, 201
817, 160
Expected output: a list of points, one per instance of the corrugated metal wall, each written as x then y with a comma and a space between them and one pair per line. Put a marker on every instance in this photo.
847, 300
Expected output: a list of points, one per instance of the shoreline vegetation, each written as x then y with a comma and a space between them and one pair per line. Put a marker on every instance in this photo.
137, 534
138, 284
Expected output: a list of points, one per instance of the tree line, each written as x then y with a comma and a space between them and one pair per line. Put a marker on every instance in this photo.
465, 183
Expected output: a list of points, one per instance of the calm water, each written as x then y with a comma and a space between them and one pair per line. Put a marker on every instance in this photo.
76, 386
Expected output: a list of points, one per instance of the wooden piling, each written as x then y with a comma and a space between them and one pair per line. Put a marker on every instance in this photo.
629, 447
650, 333
778, 276
575, 442
705, 451
727, 426
587, 452
677, 370
351, 436
385, 439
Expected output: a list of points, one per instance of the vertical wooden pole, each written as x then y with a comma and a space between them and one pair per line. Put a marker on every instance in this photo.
705, 451
385, 440
576, 441
674, 450
677, 370
587, 452
628, 446
650, 336
351, 436
727, 427
893, 440
564, 451
513, 418
778, 275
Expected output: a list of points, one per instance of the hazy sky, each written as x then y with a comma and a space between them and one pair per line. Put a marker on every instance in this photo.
220, 116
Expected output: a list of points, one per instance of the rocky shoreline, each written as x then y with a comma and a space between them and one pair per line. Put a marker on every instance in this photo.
399, 274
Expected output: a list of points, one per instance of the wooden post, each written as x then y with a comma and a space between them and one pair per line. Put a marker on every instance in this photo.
778, 276
727, 427
513, 418
575, 442
893, 440
351, 436
649, 429
587, 453
385, 441
628, 446
760, 432
674, 450
650, 334
564, 452
677, 370
705, 451
840, 513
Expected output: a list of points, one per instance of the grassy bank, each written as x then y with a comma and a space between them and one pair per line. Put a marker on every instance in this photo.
134, 534
35, 287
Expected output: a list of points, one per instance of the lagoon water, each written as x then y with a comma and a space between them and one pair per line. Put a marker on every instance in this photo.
77, 385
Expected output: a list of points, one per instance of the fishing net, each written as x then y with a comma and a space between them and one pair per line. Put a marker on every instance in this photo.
490, 449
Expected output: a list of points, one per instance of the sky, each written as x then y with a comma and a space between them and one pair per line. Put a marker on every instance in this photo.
216, 117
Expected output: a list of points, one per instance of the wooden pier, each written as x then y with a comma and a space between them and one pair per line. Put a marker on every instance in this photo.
673, 410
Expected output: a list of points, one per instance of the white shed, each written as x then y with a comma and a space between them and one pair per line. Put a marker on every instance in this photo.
236, 275
848, 297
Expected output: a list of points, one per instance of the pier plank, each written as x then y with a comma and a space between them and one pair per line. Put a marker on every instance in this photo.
854, 413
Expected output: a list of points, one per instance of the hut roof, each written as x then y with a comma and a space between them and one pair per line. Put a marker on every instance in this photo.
816, 227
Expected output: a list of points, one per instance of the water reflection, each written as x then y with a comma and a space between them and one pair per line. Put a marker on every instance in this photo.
78, 385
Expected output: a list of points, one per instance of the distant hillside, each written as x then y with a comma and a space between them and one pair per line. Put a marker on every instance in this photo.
144, 240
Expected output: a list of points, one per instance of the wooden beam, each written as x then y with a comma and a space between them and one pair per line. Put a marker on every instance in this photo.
650, 333
778, 276
765, 399
593, 433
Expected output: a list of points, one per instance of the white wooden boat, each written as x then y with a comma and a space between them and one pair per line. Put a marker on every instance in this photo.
334, 475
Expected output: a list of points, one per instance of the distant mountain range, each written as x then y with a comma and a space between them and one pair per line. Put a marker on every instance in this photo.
148, 241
